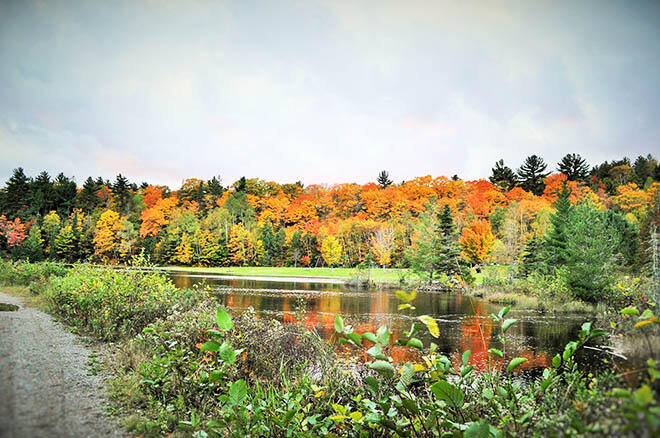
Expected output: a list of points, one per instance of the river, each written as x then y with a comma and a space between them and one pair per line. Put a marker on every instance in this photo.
463, 321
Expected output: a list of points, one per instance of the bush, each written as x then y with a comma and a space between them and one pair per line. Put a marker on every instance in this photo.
110, 304
23, 273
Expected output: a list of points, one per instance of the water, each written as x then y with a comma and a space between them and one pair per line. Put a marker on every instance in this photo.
463, 320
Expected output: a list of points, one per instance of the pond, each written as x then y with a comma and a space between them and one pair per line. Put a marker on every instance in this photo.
463, 321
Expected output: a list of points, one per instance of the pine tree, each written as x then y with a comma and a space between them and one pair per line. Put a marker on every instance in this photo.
574, 167
15, 196
556, 240
65, 193
121, 194
531, 257
88, 198
448, 252
503, 176
532, 173
42, 199
384, 179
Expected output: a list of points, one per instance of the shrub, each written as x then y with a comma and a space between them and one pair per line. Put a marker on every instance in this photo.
109, 304
23, 273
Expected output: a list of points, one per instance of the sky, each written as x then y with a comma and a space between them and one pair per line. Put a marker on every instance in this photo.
322, 91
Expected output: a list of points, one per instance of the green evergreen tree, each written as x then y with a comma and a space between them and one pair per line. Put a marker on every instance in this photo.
503, 176
88, 197
574, 167
531, 174
32, 248
384, 179
65, 192
121, 194
556, 241
65, 244
531, 257
42, 196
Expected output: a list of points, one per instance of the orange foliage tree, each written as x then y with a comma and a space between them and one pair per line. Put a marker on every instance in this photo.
477, 241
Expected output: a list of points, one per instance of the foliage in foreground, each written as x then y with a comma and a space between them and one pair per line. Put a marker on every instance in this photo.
198, 371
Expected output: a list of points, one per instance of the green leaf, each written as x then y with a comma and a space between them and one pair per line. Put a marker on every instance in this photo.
508, 323
369, 337
466, 370
404, 306
382, 367
496, 352
212, 346
646, 315
407, 372
383, 335
515, 363
556, 361
488, 393
545, 383
224, 320
355, 337
503, 312
431, 325
375, 350
227, 353
216, 376
466, 356
372, 383
629, 311
414, 342
237, 392
447, 392
477, 430
644, 395
339, 324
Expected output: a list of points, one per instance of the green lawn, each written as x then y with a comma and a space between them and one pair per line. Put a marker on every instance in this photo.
389, 275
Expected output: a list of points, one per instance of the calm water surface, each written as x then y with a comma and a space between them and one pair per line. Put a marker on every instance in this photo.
463, 321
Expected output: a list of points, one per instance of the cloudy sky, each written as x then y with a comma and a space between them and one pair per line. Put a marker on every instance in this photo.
322, 91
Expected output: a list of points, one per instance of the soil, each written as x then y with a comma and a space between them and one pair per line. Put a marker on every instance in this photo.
47, 382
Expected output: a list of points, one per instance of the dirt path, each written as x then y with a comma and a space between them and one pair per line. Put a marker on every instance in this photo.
45, 389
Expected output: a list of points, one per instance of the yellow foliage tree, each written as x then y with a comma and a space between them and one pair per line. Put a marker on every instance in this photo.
331, 251
184, 252
381, 245
106, 239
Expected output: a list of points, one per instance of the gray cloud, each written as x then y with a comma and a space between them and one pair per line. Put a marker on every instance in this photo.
322, 91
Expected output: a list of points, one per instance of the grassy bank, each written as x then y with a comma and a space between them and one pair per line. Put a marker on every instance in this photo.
388, 275
183, 366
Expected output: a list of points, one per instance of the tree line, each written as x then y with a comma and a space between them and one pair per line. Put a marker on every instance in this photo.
436, 225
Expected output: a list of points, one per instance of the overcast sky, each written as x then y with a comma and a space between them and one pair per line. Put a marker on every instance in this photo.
322, 91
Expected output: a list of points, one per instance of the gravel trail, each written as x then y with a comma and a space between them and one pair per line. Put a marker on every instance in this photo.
45, 389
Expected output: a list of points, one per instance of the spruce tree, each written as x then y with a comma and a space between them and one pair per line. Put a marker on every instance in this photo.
503, 176
65, 193
532, 174
556, 240
15, 196
531, 257
121, 194
448, 258
42, 199
384, 179
574, 167
88, 197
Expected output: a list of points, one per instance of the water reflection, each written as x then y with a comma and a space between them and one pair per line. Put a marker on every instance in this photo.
463, 320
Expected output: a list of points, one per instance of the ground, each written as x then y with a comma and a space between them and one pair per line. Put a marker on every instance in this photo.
46, 384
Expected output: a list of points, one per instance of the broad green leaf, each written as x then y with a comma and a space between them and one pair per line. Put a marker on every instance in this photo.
477, 430
646, 314
383, 368
414, 342
503, 312
355, 337
339, 324
508, 323
404, 306
375, 350
431, 325
621, 393
216, 376
372, 383
383, 335
496, 352
644, 395
369, 337
447, 392
224, 320
546, 383
210, 346
515, 363
227, 353
466, 356
556, 361
488, 393
407, 372
356, 416
466, 370
237, 392
629, 311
